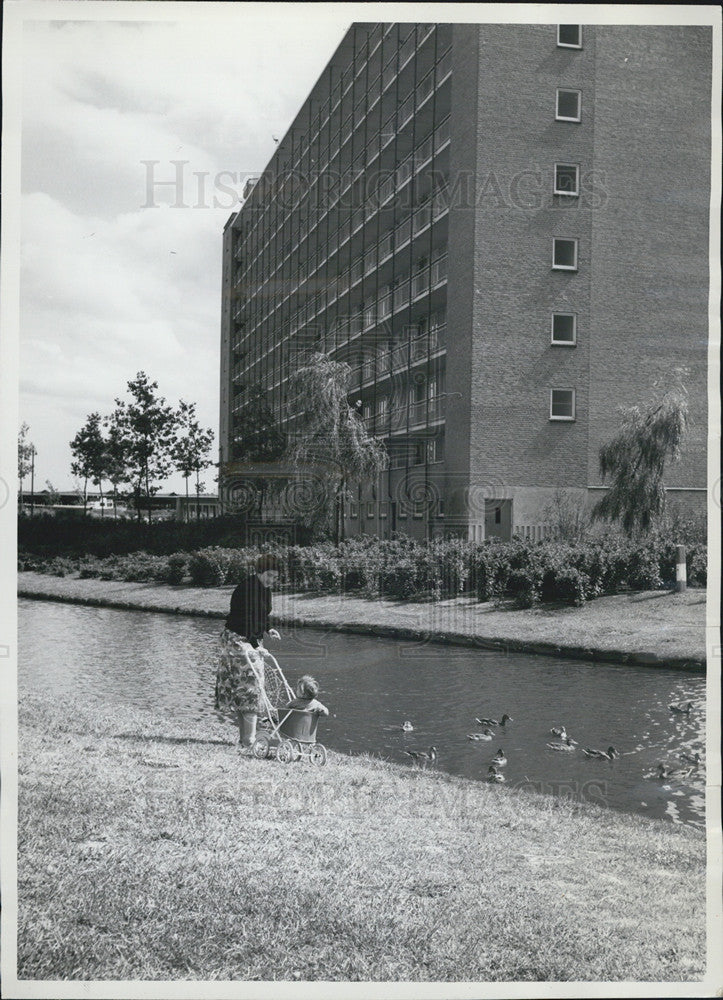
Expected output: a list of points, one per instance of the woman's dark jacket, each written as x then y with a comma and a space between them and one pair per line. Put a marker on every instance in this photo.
250, 610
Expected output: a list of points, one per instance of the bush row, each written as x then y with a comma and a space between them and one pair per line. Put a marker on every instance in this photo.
402, 568
69, 533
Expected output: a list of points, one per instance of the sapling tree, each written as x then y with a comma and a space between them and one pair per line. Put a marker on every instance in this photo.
191, 447
146, 432
88, 449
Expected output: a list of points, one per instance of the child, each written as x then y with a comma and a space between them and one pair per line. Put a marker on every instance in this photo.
305, 700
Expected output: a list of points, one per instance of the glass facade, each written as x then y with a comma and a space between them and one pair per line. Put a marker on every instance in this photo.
341, 245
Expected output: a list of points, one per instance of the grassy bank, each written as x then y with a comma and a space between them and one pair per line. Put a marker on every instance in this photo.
656, 627
150, 849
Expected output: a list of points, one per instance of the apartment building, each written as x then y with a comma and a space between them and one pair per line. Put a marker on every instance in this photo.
503, 230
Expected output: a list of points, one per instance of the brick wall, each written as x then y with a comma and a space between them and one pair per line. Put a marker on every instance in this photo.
649, 306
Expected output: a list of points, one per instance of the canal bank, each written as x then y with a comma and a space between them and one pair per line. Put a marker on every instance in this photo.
149, 849
655, 628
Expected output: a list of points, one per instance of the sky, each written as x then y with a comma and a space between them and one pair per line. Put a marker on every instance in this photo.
121, 272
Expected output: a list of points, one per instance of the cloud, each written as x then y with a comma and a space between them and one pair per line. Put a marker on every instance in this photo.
113, 282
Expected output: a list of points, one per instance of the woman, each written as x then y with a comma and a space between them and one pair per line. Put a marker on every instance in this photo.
240, 677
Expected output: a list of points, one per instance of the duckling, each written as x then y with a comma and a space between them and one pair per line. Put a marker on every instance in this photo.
566, 744
493, 722
610, 754
430, 754
499, 759
494, 775
693, 759
487, 734
681, 709
407, 727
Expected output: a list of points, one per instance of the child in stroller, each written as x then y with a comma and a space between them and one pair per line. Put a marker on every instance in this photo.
290, 732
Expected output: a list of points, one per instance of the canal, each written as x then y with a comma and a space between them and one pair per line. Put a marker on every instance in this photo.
372, 686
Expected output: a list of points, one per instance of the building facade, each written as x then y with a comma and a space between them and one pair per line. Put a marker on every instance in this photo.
503, 230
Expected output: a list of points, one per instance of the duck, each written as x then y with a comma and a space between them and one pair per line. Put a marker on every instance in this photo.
693, 759
669, 772
486, 735
493, 722
610, 754
566, 744
499, 759
559, 731
407, 727
430, 754
681, 709
493, 775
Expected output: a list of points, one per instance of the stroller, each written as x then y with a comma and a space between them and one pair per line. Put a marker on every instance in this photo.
288, 734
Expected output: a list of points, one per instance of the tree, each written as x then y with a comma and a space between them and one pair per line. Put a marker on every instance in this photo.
145, 435
634, 460
116, 463
26, 463
191, 448
89, 452
331, 434
53, 496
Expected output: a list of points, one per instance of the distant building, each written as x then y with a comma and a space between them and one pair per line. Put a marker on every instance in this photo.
192, 507
503, 229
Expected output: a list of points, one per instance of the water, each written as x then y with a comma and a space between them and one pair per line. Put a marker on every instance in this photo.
371, 686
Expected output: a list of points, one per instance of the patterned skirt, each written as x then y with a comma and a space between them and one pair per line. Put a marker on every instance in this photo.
238, 685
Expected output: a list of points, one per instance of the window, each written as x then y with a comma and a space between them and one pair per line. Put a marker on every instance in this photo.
402, 510
568, 105
564, 255
567, 179
383, 508
564, 329
353, 508
562, 404
382, 406
435, 450
569, 36
498, 515
370, 508
418, 508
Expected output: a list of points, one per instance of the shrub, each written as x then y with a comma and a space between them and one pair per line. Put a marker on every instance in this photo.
207, 568
176, 568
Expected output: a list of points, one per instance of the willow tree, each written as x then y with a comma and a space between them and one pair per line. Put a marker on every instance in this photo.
634, 460
330, 437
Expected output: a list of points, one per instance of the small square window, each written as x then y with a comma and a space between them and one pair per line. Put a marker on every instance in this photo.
564, 329
567, 179
370, 508
569, 36
564, 255
568, 105
562, 404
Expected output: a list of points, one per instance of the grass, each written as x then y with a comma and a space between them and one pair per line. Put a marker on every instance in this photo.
150, 849
656, 627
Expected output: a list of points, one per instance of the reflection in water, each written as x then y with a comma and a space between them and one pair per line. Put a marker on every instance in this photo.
167, 664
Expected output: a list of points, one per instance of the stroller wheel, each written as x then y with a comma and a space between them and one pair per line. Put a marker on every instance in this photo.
261, 747
285, 752
317, 754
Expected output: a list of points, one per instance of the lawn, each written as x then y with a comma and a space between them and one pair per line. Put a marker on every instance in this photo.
150, 849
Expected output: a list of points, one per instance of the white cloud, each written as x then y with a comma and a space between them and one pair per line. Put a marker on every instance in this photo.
110, 287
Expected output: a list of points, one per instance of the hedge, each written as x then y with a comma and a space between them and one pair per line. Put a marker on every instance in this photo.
402, 569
